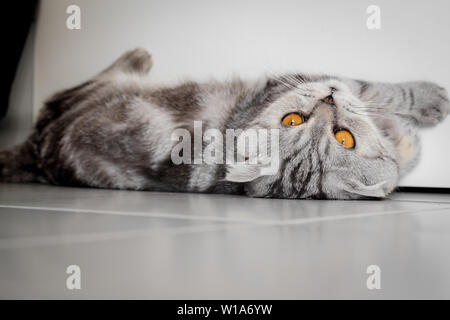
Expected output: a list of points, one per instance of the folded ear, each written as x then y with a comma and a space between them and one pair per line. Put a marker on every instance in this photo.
356, 187
408, 148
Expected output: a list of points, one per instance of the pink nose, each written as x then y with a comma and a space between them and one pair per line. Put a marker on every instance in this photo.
328, 99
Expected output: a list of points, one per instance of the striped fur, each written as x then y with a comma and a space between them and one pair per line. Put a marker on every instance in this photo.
114, 131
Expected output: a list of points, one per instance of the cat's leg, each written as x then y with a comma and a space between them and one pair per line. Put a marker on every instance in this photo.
428, 102
425, 103
137, 61
400, 109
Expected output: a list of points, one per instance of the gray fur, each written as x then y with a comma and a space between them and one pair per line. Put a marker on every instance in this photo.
114, 131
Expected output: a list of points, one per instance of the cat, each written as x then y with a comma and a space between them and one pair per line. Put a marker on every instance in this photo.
338, 138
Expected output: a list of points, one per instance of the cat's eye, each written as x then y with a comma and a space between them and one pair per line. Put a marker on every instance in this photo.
345, 138
293, 119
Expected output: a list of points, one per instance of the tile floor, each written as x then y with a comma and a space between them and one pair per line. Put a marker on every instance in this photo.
188, 246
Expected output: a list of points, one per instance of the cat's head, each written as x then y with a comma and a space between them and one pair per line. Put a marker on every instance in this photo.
329, 148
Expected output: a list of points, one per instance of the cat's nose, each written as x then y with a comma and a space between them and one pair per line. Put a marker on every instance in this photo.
329, 100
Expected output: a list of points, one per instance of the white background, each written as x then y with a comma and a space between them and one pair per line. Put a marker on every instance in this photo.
209, 38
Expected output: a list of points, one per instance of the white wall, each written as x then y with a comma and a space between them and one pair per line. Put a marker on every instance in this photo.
203, 38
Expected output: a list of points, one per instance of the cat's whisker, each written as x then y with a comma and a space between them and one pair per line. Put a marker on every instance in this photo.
299, 81
378, 112
298, 88
372, 109
284, 82
286, 85
384, 105
305, 95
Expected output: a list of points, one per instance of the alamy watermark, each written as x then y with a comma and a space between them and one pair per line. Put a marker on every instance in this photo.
374, 279
73, 21
374, 19
73, 281
252, 147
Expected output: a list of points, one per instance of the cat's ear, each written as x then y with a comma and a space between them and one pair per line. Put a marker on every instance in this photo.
408, 148
356, 187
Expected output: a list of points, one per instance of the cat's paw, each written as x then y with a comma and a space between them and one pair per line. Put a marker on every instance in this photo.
133, 61
138, 60
430, 103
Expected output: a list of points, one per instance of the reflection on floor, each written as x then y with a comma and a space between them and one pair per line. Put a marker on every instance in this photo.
188, 246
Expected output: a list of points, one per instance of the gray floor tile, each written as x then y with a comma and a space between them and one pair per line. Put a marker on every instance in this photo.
316, 260
27, 224
162, 245
218, 208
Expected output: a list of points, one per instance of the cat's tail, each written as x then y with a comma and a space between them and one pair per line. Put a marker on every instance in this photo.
19, 164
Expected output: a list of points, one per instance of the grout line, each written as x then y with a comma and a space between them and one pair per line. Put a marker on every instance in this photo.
357, 215
117, 235
228, 220
140, 214
80, 238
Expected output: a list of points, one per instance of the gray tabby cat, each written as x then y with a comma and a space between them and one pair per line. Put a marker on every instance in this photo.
338, 138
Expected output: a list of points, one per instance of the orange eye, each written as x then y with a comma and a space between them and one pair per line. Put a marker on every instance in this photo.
345, 138
293, 119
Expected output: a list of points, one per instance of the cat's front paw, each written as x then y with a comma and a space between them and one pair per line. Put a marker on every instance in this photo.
429, 103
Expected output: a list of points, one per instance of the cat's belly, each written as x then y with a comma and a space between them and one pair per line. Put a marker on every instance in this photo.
123, 145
